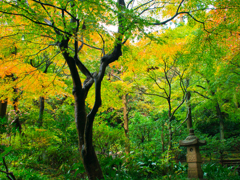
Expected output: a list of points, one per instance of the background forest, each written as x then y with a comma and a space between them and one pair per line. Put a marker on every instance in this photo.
98, 89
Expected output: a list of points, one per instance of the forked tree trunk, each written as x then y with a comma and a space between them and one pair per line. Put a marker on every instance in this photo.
126, 121
84, 127
84, 122
91, 164
90, 160
3, 108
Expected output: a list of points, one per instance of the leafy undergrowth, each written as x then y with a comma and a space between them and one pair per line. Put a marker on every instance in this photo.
51, 153
114, 169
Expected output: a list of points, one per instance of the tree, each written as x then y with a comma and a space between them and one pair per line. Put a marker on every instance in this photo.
189, 108
212, 53
22, 79
161, 76
66, 23
3, 108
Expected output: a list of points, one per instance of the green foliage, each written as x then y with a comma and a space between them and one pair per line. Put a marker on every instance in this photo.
51, 152
107, 139
213, 171
112, 167
6, 151
41, 151
145, 133
152, 62
3, 125
221, 149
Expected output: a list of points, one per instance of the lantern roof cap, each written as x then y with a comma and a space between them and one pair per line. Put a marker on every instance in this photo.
192, 140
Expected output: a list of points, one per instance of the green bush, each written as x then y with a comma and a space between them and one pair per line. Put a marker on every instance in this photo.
215, 171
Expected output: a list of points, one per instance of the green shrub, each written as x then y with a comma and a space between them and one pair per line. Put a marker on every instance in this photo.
215, 171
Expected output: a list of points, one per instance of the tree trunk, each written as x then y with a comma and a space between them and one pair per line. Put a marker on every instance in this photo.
3, 108
170, 124
188, 104
162, 137
91, 165
41, 110
219, 114
189, 110
16, 121
126, 120
84, 123
170, 136
169, 128
41, 99
89, 158
221, 121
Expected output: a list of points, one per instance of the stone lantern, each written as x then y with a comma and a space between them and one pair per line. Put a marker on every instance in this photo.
194, 159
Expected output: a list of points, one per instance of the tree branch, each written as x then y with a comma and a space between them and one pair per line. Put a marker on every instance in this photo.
183, 121
82, 68
177, 108
42, 49
50, 5
149, 8
155, 81
201, 95
132, 1
105, 61
47, 13
9, 174
89, 45
103, 48
8, 36
166, 77
152, 94
116, 77
48, 23
143, 5
201, 87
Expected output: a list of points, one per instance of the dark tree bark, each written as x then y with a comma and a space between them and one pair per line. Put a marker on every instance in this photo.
3, 108
84, 121
9, 175
42, 99
219, 113
170, 120
221, 121
16, 121
189, 108
41, 110
126, 121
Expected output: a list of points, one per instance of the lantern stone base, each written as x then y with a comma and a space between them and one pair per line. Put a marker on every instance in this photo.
194, 170
194, 159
